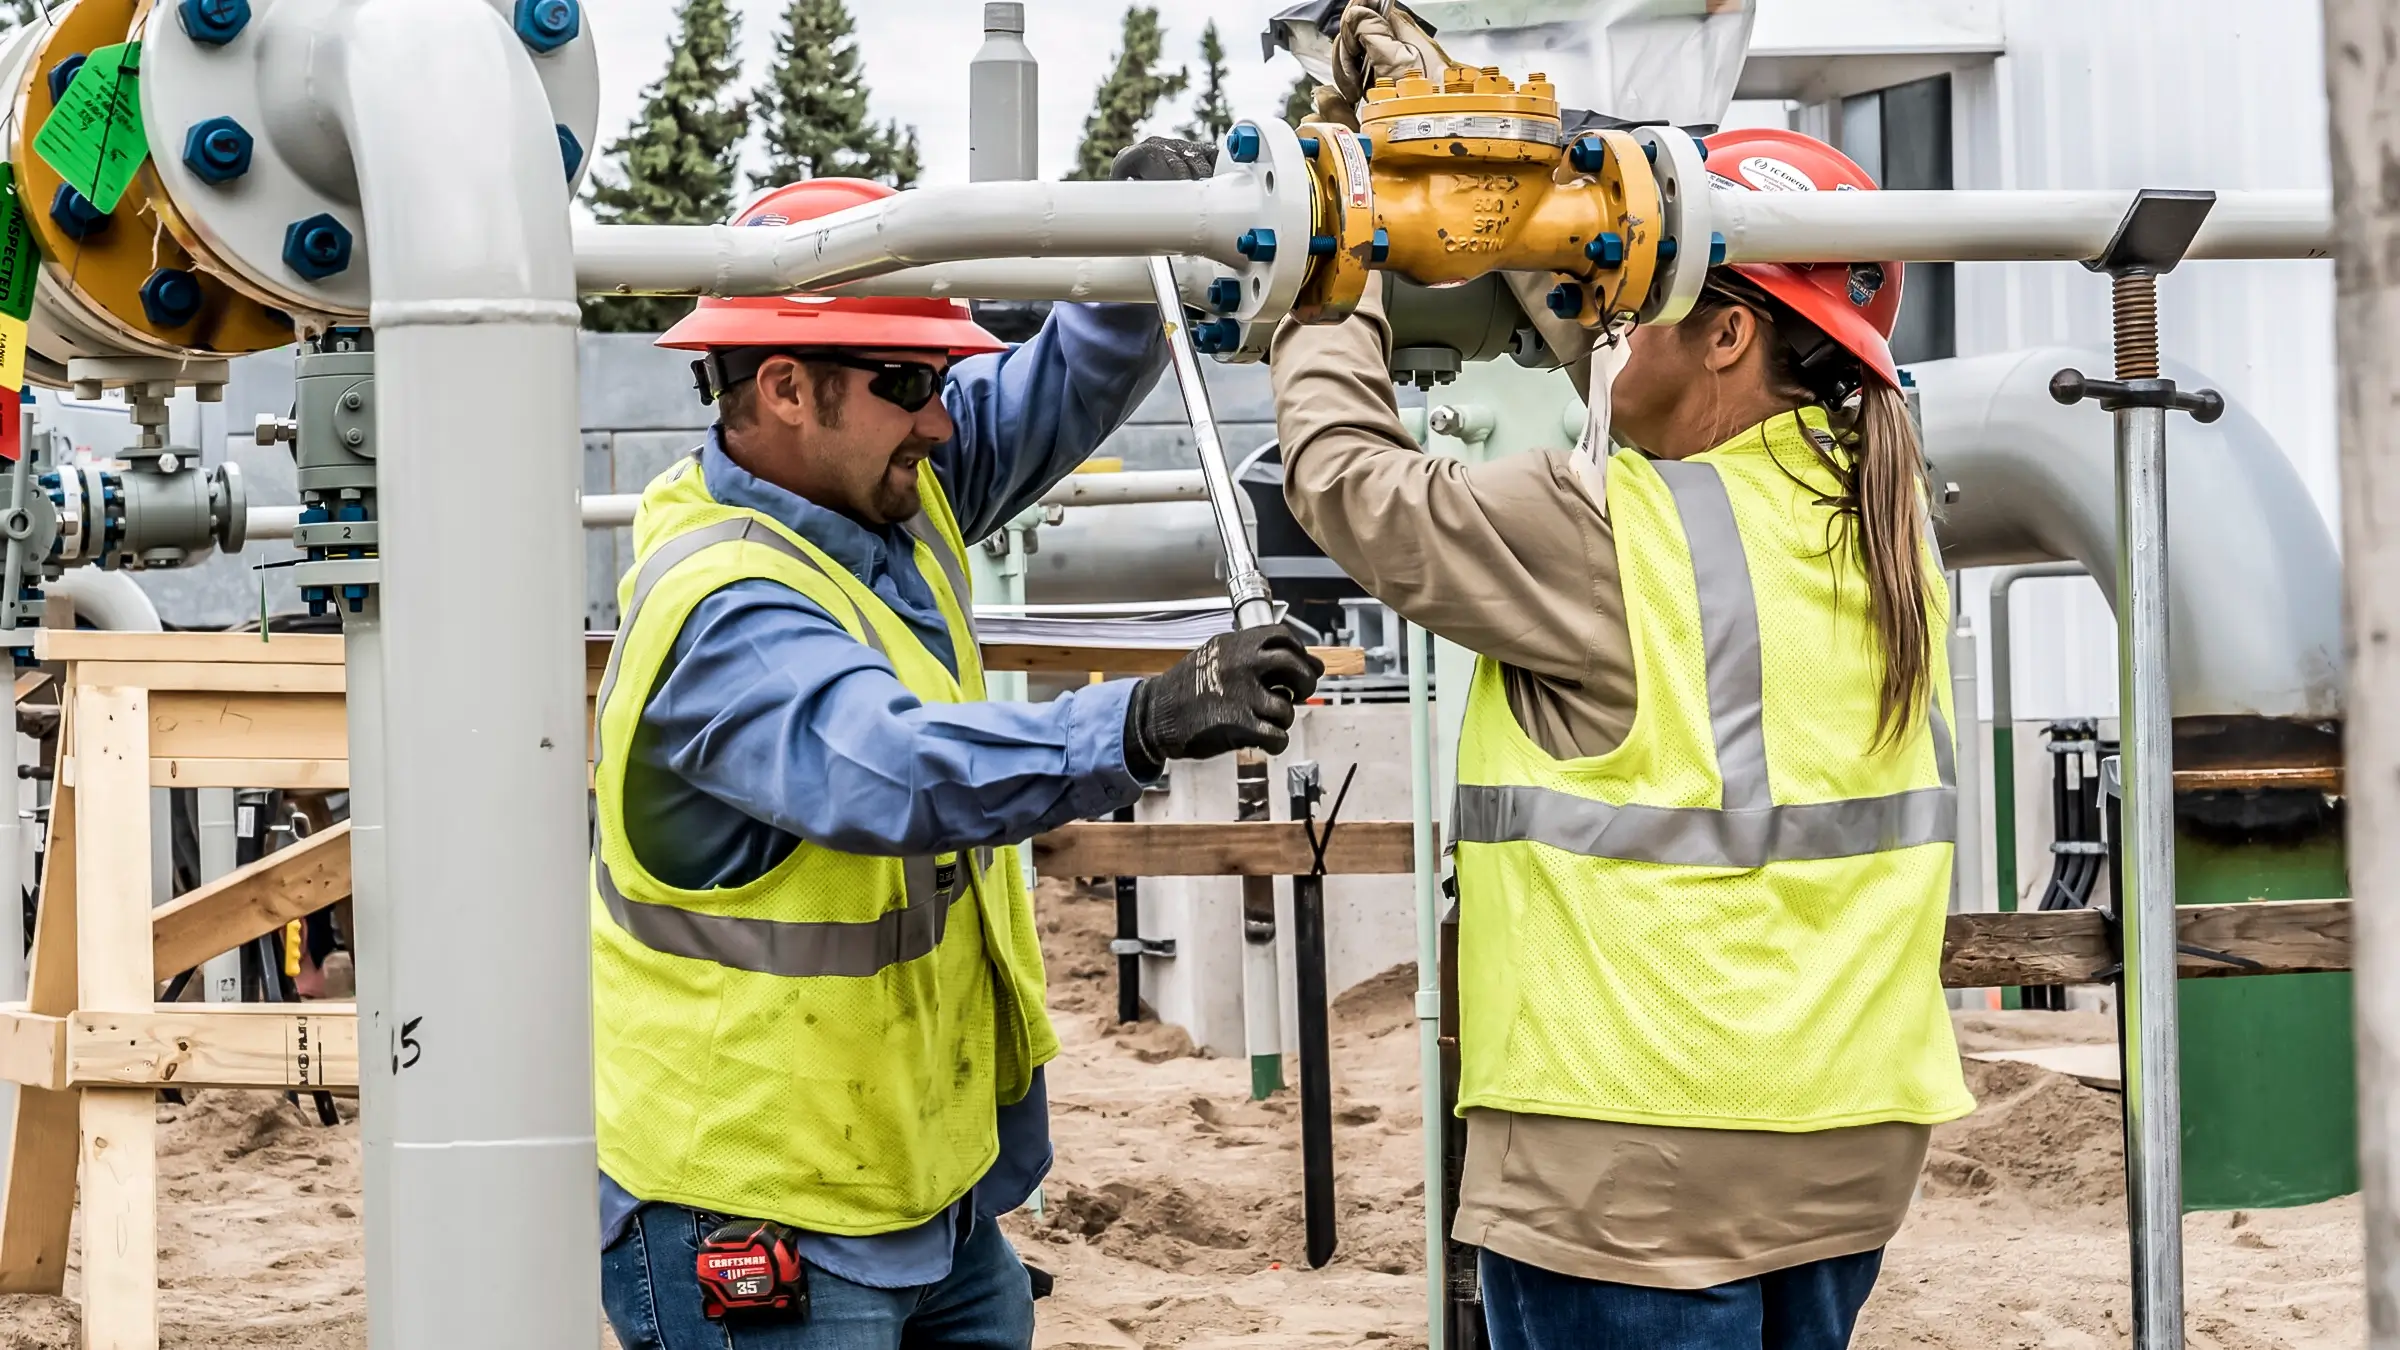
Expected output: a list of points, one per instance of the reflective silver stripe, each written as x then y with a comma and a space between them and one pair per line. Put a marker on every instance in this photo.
920, 525
799, 950
1729, 628
1702, 836
682, 546
1945, 753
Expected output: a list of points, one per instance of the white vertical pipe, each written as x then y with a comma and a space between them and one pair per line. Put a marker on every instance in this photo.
2153, 1088
2361, 69
220, 975
475, 1030
1003, 100
1429, 979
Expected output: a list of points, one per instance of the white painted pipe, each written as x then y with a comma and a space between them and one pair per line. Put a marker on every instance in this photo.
107, 600
475, 1064
1078, 279
924, 225
1999, 226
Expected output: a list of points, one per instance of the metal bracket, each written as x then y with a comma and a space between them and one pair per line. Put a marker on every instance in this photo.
1163, 948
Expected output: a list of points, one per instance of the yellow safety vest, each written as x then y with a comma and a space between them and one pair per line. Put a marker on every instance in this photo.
824, 1046
1734, 919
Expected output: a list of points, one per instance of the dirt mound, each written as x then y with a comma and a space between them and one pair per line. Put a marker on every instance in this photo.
2038, 1135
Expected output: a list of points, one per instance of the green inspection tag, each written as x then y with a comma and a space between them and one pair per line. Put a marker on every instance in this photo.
94, 137
20, 256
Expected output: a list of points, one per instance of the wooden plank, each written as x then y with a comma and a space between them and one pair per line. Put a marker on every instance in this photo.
1061, 660
119, 1156
2100, 1066
74, 644
2321, 778
37, 1198
297, 775
186, 724
29, 681
309, 1045
33, 1047
281, 677
2282, 937
1259, 848
254, 899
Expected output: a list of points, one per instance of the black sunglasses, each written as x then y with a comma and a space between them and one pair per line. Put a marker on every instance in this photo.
906, 385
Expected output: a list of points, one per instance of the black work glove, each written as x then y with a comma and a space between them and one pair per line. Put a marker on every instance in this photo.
1164, 159
1235, 691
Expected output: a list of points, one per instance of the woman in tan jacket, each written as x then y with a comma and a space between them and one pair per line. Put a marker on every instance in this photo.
1707, 800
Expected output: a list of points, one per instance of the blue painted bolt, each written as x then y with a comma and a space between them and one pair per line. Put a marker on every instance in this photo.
1322, 245
1243, 144
171, 297
1716, 250
213, 23
1366, 147
547, 25
1703, 150
1907, 380
317, 247
1565, 301
569, 150
1666, 249
1216, 335
62, 75
217, 150
1650, 151
1380, 247
75, 215
1608, 250
1587, 155
1308, 146
1256, 245
1224, 295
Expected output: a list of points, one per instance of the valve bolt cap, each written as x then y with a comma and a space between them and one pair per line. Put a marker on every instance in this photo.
1608, 249
1224, 295
317, 247
1256, 245
1243, 144
171, 297
1216, 335
1380, 247
570, 150
75, 215
213, 23
217, 150
1565, 301
547, 25
1586, 155
62, 75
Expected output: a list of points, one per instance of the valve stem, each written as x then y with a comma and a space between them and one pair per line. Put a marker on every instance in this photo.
2133, 302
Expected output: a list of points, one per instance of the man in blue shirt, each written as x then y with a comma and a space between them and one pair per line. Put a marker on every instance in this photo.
798, 721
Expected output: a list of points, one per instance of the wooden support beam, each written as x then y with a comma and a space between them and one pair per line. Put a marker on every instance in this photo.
252, 900
33, 1048
292, 775
2281, 937
76, 644
1211, 848
37, 1197
308, 1045
196, 724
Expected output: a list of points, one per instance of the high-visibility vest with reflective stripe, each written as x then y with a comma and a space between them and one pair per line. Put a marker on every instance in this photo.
824, 1046
1734, 919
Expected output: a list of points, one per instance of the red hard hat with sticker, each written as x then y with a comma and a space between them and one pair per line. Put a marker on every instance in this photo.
854, 322
1855, 304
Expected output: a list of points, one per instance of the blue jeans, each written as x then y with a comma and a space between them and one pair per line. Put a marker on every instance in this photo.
1810, 1307
652, 1298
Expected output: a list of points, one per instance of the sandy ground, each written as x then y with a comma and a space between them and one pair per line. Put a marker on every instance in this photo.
1173, 1218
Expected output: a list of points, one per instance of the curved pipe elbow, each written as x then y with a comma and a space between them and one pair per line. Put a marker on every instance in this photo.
2255, 583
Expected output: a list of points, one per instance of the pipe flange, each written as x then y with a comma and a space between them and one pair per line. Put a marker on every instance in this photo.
1272, 276
270, 80
1344, 219
1683, 190
106, 267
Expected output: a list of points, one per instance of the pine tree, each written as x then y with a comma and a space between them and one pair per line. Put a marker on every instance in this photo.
1300, 104
1212, 116
815, 106
675, 164
1128, 96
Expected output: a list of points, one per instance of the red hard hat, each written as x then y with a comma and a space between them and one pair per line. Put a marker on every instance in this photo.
855, 322
1855, 304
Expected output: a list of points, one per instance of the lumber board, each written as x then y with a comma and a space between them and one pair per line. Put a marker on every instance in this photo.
33, 1047
75, 644
307, 1045
37, 1196
195, 724
294, 775
254, 677
2284, 937
1064, 660
254, 899
1255, 848
119, 1154
2101, 1066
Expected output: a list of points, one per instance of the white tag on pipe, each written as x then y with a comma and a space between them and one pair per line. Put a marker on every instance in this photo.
1591, 452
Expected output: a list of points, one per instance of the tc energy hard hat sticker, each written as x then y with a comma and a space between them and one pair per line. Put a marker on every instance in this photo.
1773, 175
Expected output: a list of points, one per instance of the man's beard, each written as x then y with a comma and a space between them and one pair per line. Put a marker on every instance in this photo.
897, 501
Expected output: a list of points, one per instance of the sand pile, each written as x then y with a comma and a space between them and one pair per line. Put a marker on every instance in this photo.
1173, 1217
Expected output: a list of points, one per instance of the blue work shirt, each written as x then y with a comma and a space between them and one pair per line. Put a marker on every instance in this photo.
770, 724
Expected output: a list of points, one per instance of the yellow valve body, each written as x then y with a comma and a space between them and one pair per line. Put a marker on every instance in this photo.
1467, 177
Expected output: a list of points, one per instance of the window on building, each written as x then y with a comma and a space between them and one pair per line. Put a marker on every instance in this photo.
1901, 137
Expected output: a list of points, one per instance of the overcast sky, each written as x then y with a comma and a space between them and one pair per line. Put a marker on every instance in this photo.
916, 54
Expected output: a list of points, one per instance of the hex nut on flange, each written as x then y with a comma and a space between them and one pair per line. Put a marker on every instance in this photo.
217, 150
213, 23
547, 25
171, 297
317, 247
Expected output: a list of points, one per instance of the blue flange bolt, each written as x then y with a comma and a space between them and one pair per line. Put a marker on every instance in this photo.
1608, 250
217, 150
1380, 246
62, 75
171, 297
1224, 295
1256, 245
1587, 155
547, 25
1243, 144
317, 247
213, 23
1565, 301
1216, 335
569, 150
75, 215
